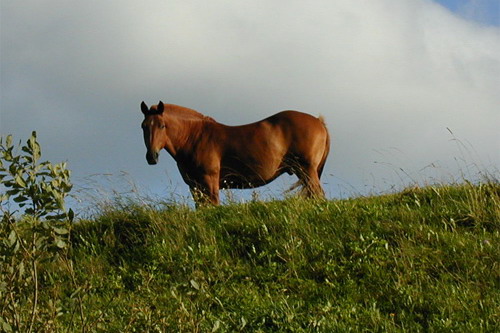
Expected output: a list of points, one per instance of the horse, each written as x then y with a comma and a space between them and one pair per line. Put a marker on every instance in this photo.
212, 156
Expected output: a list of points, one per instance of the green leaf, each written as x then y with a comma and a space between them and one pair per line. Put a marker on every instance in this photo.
57, 216
21, 269
5, 326
8, 141
12, 192
20, 199
60, 244
27, 150
20, 181
12, 238
71, 215
13, 168
216, 326
195, 284
7, 155
32, 140
40, 243
60, 231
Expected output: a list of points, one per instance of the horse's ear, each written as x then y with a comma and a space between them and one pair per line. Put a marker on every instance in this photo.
160, 108
144, 108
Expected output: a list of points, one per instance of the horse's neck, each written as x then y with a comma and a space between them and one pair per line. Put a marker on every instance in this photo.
185, 133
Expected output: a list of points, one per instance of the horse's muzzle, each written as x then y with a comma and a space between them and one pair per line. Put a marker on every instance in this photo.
152, 157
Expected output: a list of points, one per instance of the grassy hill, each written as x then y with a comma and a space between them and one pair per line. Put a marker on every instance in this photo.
423, 260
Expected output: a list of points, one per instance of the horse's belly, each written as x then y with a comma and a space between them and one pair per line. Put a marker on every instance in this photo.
245, 180
240, 181
252, 169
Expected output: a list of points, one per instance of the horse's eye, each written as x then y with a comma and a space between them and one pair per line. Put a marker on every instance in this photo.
162, 126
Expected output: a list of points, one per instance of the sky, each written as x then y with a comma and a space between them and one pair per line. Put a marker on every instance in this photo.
481, 11
410, 90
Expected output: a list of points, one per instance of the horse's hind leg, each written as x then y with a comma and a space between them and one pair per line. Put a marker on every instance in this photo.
314, 189
309, 178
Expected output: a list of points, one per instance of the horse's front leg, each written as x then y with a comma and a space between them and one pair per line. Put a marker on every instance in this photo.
212, 187
198, 196
206, 191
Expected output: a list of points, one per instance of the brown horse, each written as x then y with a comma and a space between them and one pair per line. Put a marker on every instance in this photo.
211, 155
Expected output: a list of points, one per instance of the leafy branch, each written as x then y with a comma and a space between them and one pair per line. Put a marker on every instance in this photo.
38, 187
39, 236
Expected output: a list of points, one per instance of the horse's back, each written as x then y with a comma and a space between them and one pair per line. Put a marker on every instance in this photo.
298, 123
291, 116
286, 127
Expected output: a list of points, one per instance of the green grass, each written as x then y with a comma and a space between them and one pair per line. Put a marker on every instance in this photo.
423, 260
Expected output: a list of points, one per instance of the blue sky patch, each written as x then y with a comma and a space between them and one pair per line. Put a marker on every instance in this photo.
483, 11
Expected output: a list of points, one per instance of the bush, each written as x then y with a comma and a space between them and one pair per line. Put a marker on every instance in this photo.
34, 239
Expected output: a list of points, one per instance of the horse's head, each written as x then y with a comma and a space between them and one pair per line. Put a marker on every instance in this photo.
154, 130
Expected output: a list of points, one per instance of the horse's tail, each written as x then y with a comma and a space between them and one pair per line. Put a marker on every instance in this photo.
297, 184
327, 148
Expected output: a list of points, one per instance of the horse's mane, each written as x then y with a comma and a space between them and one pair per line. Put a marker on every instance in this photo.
183, 112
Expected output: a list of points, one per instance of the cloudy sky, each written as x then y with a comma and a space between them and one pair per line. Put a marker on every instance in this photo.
392, 79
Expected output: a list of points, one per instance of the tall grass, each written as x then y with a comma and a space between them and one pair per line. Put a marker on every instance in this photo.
422, 260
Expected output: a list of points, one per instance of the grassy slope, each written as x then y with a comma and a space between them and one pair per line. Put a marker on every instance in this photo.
421, 260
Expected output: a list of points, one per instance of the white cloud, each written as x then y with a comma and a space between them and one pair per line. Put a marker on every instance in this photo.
389, 76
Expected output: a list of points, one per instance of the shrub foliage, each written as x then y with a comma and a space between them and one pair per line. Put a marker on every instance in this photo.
35, 238
38, 187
